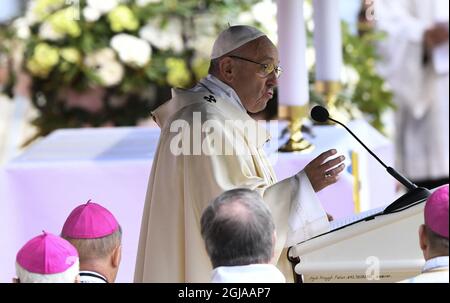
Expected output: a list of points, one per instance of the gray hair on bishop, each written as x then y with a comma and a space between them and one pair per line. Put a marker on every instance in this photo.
238, 229
98, 248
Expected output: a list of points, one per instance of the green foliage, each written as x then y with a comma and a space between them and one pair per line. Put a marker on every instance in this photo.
370, 93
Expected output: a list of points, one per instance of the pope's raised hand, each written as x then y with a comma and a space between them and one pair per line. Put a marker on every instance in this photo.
322, 172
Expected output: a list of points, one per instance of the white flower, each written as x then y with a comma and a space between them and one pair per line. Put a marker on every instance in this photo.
202, 45
350, 75
111, 74
106, 66
131, 50
91, 14
203, 38
95, 58
30, 15
245, 18
265, 12
22, 28
310, 57
166, 38
145, 2
103, 6
47, 32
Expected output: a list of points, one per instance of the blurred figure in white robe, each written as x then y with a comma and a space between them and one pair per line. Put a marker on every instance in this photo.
415, 63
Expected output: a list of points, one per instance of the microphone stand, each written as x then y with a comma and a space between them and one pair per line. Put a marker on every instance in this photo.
414, 193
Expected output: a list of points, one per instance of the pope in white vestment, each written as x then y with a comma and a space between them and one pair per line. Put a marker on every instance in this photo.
202, 154
419, 79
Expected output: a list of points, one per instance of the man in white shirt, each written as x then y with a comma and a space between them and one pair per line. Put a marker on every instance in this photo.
239, 235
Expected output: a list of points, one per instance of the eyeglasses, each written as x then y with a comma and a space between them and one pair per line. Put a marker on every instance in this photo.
267, 69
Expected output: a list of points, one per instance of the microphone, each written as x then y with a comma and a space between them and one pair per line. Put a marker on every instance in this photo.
320, 114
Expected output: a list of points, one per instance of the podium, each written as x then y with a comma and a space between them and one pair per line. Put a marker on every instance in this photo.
373, 247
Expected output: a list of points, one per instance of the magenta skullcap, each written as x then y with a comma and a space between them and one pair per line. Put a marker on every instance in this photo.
436, 211
89, 221
47, 254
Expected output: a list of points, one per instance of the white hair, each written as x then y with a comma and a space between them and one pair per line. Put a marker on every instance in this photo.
68, 276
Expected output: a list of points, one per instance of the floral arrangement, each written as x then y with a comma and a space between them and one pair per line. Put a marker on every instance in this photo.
110, 62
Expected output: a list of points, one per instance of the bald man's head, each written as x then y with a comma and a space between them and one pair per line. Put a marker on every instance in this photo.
238, 229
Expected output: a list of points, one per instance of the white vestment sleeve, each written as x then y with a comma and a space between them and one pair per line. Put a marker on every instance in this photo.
307, 217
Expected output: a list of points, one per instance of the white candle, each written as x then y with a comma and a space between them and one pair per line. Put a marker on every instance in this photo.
327, 40
293, 89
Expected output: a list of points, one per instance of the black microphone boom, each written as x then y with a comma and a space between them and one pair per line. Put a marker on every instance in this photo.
321, 115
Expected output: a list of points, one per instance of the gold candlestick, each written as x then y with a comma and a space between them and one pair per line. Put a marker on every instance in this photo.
330, 90
296, 116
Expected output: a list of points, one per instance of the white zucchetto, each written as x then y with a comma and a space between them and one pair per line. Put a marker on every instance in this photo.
233, 38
